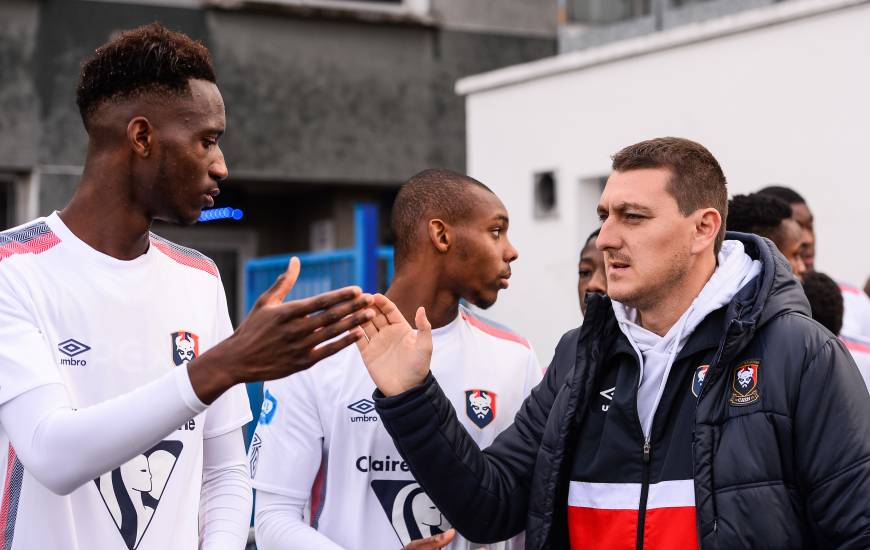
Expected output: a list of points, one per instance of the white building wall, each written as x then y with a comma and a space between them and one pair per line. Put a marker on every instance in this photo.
787, 101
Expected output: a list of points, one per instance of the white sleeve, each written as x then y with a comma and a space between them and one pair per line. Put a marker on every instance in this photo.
47, 433
26, 361
280, 525
232, 409
285, 456
534, 373
225, 503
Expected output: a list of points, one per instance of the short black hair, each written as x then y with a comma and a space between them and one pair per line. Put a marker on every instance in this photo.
432, 193
757, 213
593, 235
785, 194
148, 59
826, 300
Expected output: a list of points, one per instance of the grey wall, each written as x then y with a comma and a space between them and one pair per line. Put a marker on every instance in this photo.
19, 108
526, 17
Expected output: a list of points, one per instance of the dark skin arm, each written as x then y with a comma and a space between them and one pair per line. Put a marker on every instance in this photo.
280, 338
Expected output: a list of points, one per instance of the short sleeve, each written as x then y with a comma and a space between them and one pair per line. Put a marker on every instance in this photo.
26, 361
287, 448
231, 410
534, 372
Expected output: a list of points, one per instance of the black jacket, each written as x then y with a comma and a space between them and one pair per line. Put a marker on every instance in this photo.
790, 469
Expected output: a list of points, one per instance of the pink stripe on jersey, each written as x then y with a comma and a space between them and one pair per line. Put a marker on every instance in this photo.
185, 256
34, 239
11, 494
854, 345
849, 288
492, 330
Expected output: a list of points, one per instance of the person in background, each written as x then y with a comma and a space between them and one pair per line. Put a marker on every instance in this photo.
826, 302
771, 218
451, 244
856, 313
591, 278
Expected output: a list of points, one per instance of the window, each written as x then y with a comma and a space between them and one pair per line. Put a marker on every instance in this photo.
546, 197
604, 12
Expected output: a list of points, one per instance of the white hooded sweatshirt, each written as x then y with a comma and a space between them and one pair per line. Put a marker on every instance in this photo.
656, 354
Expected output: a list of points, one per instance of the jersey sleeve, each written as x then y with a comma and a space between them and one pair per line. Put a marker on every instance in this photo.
289, 432
26, 361
232, 409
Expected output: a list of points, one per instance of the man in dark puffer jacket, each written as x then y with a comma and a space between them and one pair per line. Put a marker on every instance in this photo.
700, 407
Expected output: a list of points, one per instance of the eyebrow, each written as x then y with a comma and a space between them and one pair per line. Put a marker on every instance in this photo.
623, 206
501, 218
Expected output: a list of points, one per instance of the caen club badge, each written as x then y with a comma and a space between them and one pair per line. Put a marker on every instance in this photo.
480, 407
744, 383
185, 347
698, 379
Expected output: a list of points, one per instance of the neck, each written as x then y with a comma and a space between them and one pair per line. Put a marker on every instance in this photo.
660, 316
102, 212
413, 288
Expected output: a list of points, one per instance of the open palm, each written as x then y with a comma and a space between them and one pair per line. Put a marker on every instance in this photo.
396, 356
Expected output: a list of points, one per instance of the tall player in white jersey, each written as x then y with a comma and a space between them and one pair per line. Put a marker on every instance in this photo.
108, 439
318, 438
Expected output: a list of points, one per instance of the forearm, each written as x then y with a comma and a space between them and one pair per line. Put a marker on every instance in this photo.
225, 503
280, 526
483, 494
47, 434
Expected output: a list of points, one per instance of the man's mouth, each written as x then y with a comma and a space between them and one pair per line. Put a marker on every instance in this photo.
503, 279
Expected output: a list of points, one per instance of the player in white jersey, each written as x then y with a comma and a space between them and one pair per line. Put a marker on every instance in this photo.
108, 439
318, 437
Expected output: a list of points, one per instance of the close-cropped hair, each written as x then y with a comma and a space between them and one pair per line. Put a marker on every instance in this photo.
757, 213
431, 194
593, 235
146, 60
697, 180
785, 194
826, 300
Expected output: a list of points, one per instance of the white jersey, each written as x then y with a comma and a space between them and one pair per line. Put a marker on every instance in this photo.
103, 327
860, 351
321, 424
856, 312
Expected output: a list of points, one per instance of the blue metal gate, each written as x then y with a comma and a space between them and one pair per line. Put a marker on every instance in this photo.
366, 265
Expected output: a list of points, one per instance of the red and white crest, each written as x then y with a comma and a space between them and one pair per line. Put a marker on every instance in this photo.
480, 407
185, 347
744, 383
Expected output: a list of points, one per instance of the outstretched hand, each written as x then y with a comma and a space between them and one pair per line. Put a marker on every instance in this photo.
396, 356
280, 338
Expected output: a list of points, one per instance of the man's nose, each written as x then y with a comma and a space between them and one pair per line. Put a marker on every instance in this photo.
218, 169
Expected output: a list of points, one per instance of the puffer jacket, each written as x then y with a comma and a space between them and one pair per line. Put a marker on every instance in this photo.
788, 467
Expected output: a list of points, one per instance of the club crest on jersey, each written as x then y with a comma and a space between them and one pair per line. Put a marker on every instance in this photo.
698, 379
185, 347
480, 407
409, 509
744, 383
132, 491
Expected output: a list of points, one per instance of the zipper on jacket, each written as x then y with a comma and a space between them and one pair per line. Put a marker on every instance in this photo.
644, 493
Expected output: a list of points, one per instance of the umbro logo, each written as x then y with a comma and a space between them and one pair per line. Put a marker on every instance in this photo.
72, 348
363, 407
608, 395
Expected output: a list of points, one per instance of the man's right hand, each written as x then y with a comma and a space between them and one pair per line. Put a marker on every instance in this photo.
280, 338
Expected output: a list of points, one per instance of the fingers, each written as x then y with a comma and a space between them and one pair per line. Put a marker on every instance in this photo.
423, 343
306, 306
284, 284
328, 332
324, 351
361, 341
433, 542
333, 315
389, 309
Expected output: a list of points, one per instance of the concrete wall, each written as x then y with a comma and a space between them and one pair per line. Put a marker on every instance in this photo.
19, 121
784, 102
525, 17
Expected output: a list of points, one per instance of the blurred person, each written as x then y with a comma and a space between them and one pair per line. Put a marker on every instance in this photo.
591, 278
769, 217
451, 243
660, 421
856, 316
120, 394
826, 303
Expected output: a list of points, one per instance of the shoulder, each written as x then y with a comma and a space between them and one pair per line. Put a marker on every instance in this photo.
183, 255
492, 330
32, 238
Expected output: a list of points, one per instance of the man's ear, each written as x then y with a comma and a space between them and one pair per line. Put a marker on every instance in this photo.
708, 221
439, 234
140, 136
